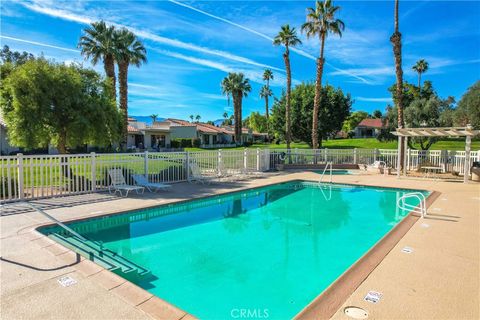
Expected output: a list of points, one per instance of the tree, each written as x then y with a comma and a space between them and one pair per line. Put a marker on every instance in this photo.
420, 67
98, 44
257, 122
321, 21
352, 121
265, 92
288, 38
49, 103
154, 117
334, 110
468, 108
197, 118
396, 40
129, 51
14, 57
191, 117
237, 86
377, 114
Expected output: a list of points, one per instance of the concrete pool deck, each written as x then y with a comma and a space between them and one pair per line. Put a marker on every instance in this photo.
439, 279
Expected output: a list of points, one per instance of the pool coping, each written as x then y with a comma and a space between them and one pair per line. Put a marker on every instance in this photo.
325, 304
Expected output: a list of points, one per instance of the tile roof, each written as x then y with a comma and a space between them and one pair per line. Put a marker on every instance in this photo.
132, 129
373, 123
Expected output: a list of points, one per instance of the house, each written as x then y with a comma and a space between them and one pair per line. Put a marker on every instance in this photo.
5, 147
160, 134
368, 128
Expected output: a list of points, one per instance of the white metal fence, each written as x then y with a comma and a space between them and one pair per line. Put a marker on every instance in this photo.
40, 176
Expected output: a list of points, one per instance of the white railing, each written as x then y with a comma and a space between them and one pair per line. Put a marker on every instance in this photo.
421, 208
329, 164
40, 176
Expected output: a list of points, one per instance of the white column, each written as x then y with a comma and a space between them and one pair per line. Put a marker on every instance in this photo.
94, 171
145, 163
405, 149
19, 175
399, 151
468, 145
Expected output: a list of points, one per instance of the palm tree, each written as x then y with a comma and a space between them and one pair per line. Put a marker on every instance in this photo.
288, 38
266, 92
154, 118
320, 22
267, 76
198, 117
130, 51
420, 67
396, 40
97, 44
237, 86
191, 117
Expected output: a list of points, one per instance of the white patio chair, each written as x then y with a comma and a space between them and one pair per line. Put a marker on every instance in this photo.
196, 175
141, 180
378, 167
118, 183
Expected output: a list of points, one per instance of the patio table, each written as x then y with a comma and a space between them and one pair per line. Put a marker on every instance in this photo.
431, 172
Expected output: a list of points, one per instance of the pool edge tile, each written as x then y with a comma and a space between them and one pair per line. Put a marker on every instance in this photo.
162, 310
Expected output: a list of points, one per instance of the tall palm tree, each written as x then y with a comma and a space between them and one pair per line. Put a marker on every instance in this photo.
321, 21
130, 51
191, 117
198, 117
420, 67
154, 117
396, 40
267, 76
288, 38
237, 86
266, 92
98, 44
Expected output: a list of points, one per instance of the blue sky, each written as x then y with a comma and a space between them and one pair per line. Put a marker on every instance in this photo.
193, 45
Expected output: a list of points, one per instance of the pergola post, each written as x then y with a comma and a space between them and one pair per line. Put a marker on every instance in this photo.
468, 145
405, 149
399, 152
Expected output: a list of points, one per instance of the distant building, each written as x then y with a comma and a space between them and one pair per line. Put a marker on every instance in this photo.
5, 147
159, 134
368, 128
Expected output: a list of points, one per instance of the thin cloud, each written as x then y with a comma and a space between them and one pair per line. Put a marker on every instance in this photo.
39, 44
373, 99
66, 15
296, 50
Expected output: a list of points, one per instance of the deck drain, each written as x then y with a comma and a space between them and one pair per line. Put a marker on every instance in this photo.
67, 281
373, 296
356, 312
407, 250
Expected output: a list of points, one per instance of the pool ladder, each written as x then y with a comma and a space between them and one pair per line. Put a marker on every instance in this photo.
93, 250
329, 164
421, 208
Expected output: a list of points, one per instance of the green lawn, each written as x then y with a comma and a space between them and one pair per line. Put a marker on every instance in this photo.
451, 144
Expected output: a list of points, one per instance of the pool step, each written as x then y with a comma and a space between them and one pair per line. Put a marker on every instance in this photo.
105, 257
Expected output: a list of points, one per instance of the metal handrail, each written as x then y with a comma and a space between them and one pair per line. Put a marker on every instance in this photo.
100, 250
405, 206
59, 223
324, 170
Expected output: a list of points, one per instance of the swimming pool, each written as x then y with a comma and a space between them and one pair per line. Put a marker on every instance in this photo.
272, 249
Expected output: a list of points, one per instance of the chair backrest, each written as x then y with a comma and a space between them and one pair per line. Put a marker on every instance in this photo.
195, 169
140, 179
378, 164
117, 177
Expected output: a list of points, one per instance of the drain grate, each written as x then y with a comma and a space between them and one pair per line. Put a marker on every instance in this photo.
356, 312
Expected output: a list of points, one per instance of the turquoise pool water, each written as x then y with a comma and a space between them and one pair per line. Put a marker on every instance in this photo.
269, 250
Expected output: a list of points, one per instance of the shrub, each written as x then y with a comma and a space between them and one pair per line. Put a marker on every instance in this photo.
175, 143
196, 143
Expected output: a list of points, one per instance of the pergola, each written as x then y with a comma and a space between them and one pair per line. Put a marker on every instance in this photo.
467, 132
